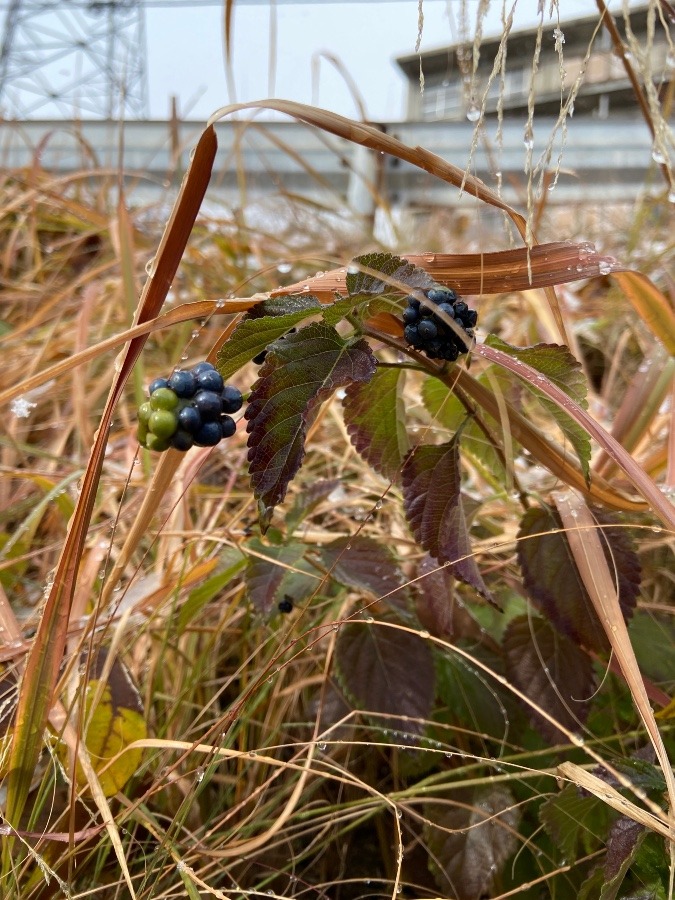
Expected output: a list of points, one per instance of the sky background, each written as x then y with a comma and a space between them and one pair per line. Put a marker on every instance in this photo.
186, 50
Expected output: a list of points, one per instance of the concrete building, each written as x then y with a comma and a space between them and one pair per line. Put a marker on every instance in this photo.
453, 92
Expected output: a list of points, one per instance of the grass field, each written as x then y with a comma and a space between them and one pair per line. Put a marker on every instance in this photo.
432, 659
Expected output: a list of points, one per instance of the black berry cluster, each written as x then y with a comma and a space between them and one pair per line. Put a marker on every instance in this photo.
426, 330
190, 408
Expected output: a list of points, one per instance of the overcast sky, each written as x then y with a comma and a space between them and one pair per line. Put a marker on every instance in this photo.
186, 57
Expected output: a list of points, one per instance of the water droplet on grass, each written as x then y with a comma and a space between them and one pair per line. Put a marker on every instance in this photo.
473, 113
21, 408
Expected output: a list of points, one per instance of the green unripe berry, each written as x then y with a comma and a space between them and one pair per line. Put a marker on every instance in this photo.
144, 412
163, 423
142, 434
164, 398
157, 444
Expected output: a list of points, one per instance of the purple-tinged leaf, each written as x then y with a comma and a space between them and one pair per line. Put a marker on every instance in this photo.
269, 573
386, 671
439, 609
476, 834
623, 843
552, 671
362, 563
433, 506
265, 323
392, 267
375, 419
299, 373
552, 581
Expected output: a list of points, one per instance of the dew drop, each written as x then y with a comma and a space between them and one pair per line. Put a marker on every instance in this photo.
195, 333
321, 746
658, 155
252, 754
220, 303
200, 775
284, 267
604, 267
21, 408
352, 270
473, 113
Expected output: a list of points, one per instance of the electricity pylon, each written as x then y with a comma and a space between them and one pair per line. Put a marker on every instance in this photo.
74, 59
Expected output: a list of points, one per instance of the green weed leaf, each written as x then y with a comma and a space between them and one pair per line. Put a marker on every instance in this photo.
554, 584
475, 834
270, 574
575, 822
299, 373
264, 324
375, 419
433, 507
362, 563
551, 670
447, 410
392, 267
469, 698
386, 671
558, 365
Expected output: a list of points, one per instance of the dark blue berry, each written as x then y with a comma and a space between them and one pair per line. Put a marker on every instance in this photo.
427, 330
470, 318
441, 295
286, 605
158, 383
231, 399
410, 315
209, 405
448, 309
183, 384
461, 309
227, 426
202, 367
189, 419
210, 380
413, 302
182, 440
411, 334
209, 434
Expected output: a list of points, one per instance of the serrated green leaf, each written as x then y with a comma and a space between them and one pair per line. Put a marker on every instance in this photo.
386, 671
433, 507
254, 333
335, 312
362, 563
575, 822
298, 374
392, 267
468, 697
447, 410
553, 582
270, 574
653, 638
556, 363
551, 670
375, 418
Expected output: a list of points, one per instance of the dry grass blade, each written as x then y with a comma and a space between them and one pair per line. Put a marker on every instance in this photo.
200, 309
585, 544
651, 305
43, 662
641, 481
609, 795
483, 273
